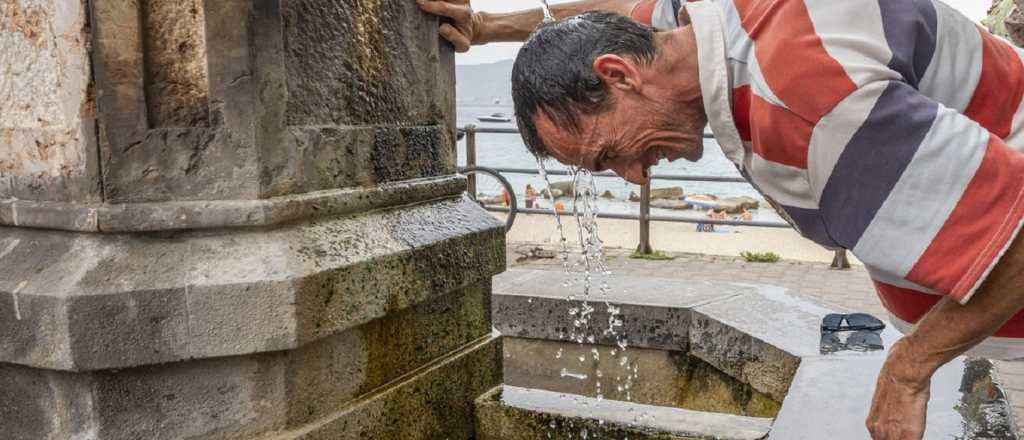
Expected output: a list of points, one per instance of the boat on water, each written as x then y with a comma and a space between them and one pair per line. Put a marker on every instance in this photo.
494, 117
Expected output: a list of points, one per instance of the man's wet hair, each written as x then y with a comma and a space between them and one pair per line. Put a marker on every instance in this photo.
553, 72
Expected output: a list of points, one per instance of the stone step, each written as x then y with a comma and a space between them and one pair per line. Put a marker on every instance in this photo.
515, 413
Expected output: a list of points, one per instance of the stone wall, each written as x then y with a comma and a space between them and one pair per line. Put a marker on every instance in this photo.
47, 110
236, 219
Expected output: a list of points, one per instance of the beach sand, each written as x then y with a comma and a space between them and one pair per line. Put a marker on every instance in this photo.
677, 237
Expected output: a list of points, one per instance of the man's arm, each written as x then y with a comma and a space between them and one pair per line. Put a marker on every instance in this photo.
470, 27
947, 331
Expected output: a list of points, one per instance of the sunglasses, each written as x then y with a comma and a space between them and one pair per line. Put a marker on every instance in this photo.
836, 322
866, 334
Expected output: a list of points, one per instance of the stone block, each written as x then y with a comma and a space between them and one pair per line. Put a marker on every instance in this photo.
759, 337
362, 63
655, 312
181, 164
47, 109
65, 216
234, 397
128, 329
324, 95
242, 396
332, 372
433, 402
513, 413
36, 404
39, 336
741, 355
373, 155
215, 294
638, 375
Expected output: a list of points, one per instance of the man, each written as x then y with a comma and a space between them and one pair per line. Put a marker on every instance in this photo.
887, 127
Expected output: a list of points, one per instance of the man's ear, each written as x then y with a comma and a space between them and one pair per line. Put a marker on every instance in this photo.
617, 72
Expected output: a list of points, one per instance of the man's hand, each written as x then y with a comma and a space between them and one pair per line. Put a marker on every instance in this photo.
465, 27
469, 27
898, 410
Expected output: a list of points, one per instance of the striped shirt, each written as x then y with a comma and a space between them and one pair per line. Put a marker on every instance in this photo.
891, 128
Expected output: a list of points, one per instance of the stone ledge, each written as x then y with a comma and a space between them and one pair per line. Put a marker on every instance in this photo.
219, 214
513, 413
533, 304
101, 301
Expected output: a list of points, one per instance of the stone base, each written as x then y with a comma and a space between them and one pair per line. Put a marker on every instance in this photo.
244, 333
513, 413
434, 402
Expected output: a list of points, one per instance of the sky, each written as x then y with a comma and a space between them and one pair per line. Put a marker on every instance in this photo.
973, 9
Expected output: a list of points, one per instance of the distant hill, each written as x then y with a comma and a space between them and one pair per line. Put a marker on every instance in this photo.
483, 83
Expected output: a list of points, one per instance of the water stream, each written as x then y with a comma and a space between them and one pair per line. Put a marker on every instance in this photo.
592, 274
548, 16
589, 264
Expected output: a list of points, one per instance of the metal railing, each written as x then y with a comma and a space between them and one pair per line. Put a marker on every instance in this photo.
644, 217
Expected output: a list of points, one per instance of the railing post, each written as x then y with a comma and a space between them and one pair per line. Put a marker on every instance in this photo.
645, 220
839, 261
471, 157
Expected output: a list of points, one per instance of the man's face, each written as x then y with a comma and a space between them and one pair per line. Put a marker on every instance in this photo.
631, 136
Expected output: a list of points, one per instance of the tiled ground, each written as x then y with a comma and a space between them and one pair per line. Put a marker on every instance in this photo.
849, 289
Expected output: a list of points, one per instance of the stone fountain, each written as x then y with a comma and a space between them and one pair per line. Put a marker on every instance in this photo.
236, 219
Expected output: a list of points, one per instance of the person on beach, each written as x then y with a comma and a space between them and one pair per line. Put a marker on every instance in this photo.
891, 128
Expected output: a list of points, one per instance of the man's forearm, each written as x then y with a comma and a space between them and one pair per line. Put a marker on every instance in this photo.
950, 329
516, 26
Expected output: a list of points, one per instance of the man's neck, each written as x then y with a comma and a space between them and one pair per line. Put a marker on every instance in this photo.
677, 51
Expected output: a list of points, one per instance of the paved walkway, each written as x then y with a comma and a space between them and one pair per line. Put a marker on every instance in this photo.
849, 289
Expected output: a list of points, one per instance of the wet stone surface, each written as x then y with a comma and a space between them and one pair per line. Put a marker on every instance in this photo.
665, 378
770, 340
514, 413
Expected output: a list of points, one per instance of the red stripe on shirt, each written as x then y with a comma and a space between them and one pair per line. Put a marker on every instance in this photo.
911, 305
792, 57
643, 12
1000, 86
979, 228
741, 111
779, 135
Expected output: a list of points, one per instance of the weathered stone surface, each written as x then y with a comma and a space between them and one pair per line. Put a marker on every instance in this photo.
744, 356
238, 397
276, 245
362, 62
295, 284
373, 155
177, 87
180, 164
37, 404
325, 95
664, 378
47, 139
232, 397
513, 413
768, 339
655, 311
432, 403
333, 371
